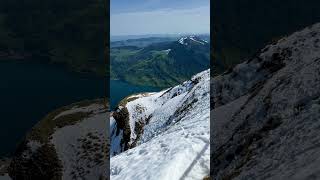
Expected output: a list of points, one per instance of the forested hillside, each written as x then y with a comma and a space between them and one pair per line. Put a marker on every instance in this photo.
160, 64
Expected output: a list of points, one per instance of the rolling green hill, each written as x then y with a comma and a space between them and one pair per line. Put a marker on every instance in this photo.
160, 64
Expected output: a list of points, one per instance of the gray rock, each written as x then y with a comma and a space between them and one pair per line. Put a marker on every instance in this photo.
266, 113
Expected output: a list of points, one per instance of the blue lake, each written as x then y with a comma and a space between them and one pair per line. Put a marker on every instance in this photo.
30, 90
120, 90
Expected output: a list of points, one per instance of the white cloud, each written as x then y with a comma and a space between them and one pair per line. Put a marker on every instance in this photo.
163, 21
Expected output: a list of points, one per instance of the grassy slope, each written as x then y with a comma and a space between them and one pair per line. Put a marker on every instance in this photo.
153, 66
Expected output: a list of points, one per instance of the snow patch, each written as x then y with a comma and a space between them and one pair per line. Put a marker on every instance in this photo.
184, 40
175, 140
82, 147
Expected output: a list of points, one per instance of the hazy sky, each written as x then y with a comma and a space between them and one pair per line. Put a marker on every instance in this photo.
140, 17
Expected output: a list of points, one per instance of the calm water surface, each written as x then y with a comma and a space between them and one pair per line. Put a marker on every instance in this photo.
120, 90
29, 90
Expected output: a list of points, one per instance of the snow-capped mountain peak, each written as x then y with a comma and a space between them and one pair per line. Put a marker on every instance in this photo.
192, 39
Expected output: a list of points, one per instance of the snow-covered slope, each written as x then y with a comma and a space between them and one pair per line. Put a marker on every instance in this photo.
69, 143
266, 113
192, 39
163, 135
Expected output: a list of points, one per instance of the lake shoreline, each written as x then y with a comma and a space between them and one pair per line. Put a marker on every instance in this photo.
29, 57
30, 90
120, 89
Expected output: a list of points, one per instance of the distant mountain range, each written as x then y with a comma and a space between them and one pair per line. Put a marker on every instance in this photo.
114, 38
159, 62
141, 42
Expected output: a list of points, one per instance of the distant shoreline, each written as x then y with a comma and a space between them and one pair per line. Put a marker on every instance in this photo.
29, 57
12, 55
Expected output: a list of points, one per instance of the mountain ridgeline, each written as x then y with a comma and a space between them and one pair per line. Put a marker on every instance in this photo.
69, 143
163, 135
265, 113
161, 64
141, 42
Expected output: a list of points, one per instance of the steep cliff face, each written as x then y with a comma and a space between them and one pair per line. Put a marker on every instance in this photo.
69, 143
163, 135
266, 113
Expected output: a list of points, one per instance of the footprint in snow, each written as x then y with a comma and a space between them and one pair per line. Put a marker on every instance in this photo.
163, 145
143, 151
115, 170
164, 148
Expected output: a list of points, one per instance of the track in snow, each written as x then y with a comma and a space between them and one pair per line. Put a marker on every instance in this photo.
196, 159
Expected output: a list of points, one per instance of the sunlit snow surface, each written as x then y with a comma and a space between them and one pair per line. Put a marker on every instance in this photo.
183, 40
175, 142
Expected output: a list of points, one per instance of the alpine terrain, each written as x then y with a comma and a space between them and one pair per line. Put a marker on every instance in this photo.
162, 64
69, 143
162, 135
266, 113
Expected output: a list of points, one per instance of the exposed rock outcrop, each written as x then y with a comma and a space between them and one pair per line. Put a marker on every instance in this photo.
69, 143
163, 135
265, 113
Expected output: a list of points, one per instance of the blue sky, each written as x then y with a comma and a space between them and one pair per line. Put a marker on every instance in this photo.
140, 17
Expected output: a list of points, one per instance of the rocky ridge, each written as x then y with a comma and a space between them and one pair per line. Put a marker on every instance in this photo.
265, 113
163, 134
69, 143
